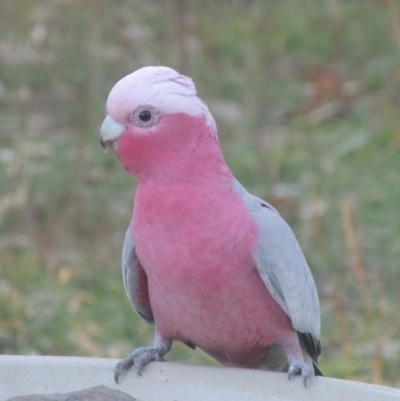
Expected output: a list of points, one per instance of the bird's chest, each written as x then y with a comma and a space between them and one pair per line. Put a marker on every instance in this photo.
190, 241
197, 251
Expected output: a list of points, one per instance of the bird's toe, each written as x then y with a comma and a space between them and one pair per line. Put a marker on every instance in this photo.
296, 366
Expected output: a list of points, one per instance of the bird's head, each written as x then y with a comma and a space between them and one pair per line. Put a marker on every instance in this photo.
156, 120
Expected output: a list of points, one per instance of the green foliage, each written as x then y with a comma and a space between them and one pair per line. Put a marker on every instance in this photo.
334, 175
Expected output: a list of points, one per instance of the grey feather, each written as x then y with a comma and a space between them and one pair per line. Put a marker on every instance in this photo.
131, 270
283, 267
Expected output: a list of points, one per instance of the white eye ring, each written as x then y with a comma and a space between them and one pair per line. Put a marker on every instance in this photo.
145, 116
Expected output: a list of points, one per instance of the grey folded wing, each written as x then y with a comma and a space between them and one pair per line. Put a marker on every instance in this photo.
284, 270
135, 279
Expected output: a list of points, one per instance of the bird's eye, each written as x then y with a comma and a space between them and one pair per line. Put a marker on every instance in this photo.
145, 115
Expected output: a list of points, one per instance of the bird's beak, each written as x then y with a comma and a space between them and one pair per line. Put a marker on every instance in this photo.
110, 132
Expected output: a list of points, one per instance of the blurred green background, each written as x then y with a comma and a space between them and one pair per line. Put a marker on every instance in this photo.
306, 97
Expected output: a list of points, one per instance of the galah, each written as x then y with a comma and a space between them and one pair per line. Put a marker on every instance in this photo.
203, 260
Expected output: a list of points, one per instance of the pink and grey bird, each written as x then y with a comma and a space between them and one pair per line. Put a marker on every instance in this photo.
203, 260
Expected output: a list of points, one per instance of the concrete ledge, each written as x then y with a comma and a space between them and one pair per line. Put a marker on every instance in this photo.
166, 381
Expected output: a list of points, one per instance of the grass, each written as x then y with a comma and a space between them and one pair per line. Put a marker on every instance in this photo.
64, 205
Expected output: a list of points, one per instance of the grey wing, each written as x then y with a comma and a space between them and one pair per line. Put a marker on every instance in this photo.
135, 279
284, 269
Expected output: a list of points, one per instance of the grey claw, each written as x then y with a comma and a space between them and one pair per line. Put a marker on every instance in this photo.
116, 376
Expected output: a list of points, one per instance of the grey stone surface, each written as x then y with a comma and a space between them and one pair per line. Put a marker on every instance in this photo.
98, 393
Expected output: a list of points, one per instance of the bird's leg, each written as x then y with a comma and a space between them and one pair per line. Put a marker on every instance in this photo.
295, 358
142, 356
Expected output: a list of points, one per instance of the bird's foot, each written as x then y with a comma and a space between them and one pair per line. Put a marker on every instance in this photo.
139, 358
296, 366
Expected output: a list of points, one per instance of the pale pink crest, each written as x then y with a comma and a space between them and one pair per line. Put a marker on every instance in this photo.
161, 87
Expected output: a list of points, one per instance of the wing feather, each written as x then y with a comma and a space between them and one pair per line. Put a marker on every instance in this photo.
135, 279
283, 267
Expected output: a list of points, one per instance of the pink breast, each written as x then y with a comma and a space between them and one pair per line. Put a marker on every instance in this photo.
203, 283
